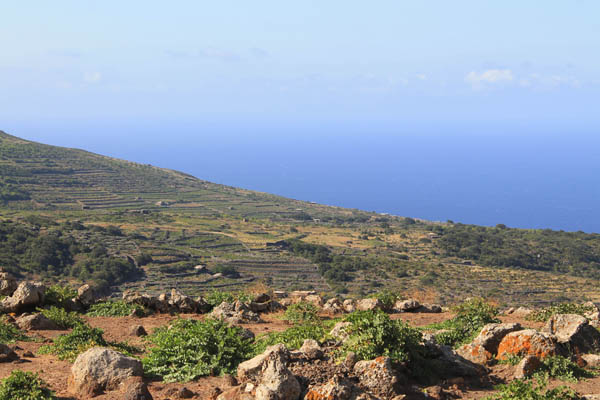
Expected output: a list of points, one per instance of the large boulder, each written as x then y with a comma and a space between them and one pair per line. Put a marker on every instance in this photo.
574, 332
36, 322
235, 313
429, 308
377, 376
336, 388
527, 342
339, 330
409, 305
27, 295
7, 354
269, 372
349, 305
527, 367
86, 295
369, 305
333, 306
8, 284
311, 349
182, 303
101, 369
485, 345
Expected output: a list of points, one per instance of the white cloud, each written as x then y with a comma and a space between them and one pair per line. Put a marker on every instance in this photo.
421, 77
490, 76
92, 77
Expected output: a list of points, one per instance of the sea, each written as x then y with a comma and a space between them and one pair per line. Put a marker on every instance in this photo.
518, 174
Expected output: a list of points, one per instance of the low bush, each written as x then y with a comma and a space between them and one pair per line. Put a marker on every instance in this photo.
302, 313
10, 333
373, 334
216, 297
61, 317
388, 298
24, 386
529, 390
293, 337
470, 317
57, 295
189, 349
544, 314
562, 368
80, 339
114, 309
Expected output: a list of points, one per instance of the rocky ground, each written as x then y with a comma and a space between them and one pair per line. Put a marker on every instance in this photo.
312, 372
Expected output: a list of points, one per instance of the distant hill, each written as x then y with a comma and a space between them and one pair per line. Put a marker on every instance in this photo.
40, 176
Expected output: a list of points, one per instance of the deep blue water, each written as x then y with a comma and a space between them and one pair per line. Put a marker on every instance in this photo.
547, 177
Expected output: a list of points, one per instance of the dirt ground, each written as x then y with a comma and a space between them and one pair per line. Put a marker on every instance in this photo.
56, 372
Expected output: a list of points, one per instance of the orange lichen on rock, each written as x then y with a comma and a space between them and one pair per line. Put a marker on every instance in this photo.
527, 342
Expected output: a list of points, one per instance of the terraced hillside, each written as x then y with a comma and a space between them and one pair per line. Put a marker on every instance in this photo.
39, 176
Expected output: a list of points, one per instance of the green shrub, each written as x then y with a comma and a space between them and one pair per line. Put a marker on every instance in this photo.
302, 313
57, 295
528, 390
216, 297
24, 386
544, 314
61, 317
562, 368
9, 333
293, 337
80, 339
373, 334
388, 298
470, 317
114, 309
189, 349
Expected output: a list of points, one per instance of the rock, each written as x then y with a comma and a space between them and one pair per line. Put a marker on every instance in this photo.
591, 360
429, 308
527, 367
574, 332
527, 342
277, 382
27, 295
230, 380
286, 302
138, 330
333, 306
185, 393
492, 334
135, 388
369, 305
7, 354
409, 305
336, 388
522, 312
262, 298
8, 284
475, 352
339, 330
28, 354
235, 313
250, 370
314, 299
299, 295
311, 349
182, 303
349, 305
99, 369
452, 364
36, 322
258, 307
236, 393
377, 376
350, 361
86, 295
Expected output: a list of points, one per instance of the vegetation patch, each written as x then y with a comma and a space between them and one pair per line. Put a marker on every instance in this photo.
562, 368
216, 297
544, 314
82, 338
302, 313
59, 295
528, 389
293, 337
114, 309
61, 317
470, 317
24, 386
10, 333
190, 349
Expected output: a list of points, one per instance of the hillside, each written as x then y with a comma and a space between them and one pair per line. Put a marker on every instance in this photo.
68, 216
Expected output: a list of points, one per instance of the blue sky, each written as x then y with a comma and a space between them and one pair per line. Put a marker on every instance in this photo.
273, 62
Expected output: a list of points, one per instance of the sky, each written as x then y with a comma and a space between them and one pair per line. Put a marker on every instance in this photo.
478, 111
273, 62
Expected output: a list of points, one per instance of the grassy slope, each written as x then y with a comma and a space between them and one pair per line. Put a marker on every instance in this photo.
218, 225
